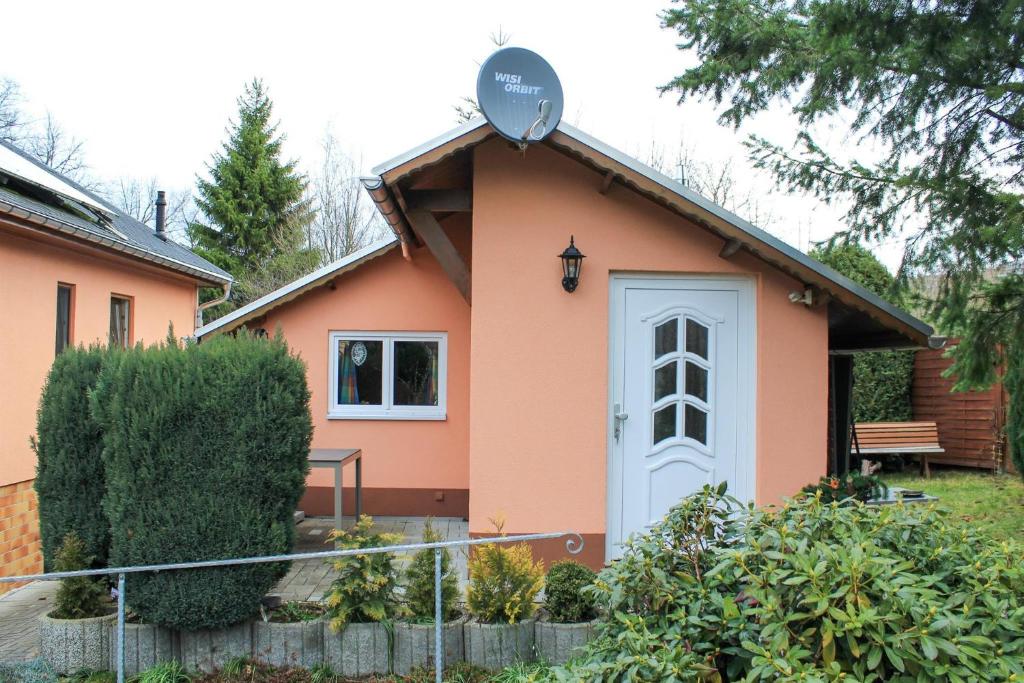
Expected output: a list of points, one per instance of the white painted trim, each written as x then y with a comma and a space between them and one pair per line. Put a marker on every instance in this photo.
387, 411
745, 486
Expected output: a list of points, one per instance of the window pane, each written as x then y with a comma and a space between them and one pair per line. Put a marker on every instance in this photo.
696, 381
360, 371
63, 317
666, 338
696, 338
415, 372
665, 380
120, 319
665, 423
696, 424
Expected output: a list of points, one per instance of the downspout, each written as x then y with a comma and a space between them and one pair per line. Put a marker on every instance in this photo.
209, 304
389, 209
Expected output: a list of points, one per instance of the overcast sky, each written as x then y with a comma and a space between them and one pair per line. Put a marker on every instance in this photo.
150, 86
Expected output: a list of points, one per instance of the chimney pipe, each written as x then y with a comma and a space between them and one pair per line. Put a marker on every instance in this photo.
161, 215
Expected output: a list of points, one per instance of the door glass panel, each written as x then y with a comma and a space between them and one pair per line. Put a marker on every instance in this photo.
665, 423
360, 371
696, 381
696, 424
666, 338
665, 381
696, 338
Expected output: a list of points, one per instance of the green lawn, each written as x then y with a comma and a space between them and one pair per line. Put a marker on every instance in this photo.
992, 502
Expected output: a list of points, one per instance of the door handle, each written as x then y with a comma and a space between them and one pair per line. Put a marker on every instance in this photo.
619, 417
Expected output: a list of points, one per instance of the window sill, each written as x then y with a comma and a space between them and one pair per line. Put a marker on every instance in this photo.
385, 415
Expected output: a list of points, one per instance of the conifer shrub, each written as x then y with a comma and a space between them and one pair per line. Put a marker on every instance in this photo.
70, 480
564, 597
503, 581
811, 591
365, 589
78, 597
206, 453
419, 582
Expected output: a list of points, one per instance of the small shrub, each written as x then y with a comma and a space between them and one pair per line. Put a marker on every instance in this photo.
206, 453
503, 581
293, 612
852, 485
79, 597
69, 472
419, 582
323, 673
165, 672
365, 589
811, 591
564, 597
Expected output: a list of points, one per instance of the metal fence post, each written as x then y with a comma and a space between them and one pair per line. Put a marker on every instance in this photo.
438, 619
120, 628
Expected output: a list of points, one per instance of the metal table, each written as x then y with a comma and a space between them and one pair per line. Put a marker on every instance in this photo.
336, 458
895, 495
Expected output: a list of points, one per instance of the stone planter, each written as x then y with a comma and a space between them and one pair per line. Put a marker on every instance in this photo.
289, 644
70, 645
558, 643
358, 649
414, 645
496, 646
210, 649
145, 646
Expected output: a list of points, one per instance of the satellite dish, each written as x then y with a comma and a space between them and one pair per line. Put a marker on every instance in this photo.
519, 94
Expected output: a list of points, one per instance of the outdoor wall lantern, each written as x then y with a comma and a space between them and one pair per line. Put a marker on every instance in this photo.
572, 264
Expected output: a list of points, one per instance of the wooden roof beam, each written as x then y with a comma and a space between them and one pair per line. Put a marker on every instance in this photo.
456, 201
436, 239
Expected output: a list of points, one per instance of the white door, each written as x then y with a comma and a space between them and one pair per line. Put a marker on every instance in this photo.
682, 399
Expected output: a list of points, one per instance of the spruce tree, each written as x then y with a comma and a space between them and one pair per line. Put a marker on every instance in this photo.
932, 94
253, 204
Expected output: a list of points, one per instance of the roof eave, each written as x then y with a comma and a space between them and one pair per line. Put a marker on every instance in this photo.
71, 230
292, 290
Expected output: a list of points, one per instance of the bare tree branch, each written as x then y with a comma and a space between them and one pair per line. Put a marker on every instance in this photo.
345, 219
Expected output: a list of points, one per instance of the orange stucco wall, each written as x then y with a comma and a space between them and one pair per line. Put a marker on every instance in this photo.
539, 388
389, 294
30, 269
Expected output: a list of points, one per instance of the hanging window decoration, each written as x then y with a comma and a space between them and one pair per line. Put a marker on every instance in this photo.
359, 353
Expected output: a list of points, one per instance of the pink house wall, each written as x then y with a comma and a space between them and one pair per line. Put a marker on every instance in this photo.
30, 270
407, 464
539, 388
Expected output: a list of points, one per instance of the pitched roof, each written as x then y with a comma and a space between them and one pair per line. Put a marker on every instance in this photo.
681, 199
876, 322
108, 227
280, 296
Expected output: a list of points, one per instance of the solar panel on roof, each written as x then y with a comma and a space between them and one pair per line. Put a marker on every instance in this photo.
16, 165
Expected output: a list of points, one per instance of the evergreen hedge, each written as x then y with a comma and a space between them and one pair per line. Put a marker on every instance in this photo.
69, 472
206, 452
881, 379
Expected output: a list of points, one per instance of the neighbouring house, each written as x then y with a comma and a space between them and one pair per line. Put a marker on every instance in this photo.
696, 348
73, 270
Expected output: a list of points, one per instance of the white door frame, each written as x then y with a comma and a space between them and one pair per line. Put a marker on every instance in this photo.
745, 487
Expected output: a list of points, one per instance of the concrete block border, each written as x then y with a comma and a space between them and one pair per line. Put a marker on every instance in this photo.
414, 645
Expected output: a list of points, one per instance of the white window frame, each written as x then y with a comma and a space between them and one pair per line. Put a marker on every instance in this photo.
387, 410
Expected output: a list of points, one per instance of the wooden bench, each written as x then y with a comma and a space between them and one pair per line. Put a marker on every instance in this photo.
898, 438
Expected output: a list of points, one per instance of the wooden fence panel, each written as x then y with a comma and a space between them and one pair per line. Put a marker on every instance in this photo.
970, 423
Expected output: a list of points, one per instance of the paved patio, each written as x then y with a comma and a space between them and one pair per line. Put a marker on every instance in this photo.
19, 610
307, 580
